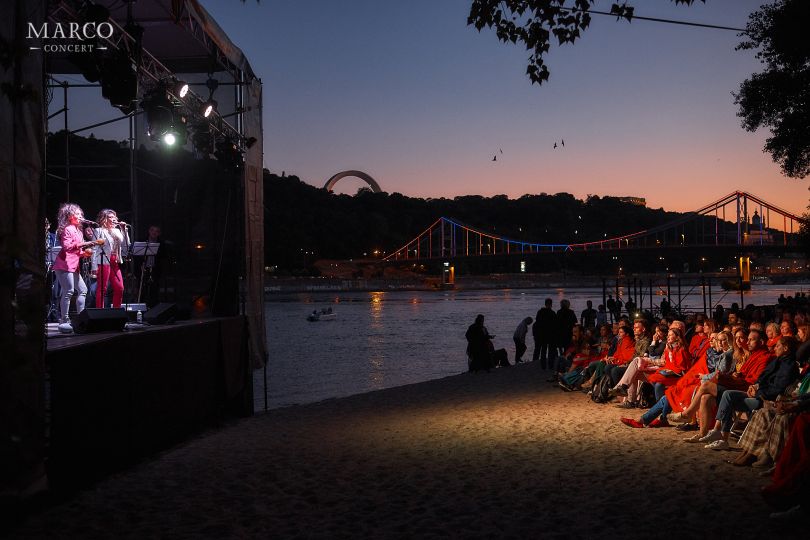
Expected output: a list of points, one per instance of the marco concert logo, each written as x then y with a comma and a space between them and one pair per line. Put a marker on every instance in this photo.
70, 37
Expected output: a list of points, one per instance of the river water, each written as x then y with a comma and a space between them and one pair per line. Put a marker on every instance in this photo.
385, 339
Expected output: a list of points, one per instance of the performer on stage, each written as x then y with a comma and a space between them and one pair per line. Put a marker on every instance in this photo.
108, 256
67, 267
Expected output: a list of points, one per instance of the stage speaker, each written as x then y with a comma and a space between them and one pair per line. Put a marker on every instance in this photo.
162, 313
99, 320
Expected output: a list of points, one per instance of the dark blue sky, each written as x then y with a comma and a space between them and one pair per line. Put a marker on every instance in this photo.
408, 93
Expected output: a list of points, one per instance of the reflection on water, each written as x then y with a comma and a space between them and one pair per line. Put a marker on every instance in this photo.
384, 339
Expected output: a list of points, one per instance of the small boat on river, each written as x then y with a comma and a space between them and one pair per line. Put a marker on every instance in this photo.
325, 314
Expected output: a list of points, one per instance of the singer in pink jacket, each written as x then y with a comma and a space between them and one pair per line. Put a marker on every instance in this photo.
67, 267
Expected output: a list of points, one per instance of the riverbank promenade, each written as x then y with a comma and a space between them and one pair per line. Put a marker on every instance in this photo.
488, 455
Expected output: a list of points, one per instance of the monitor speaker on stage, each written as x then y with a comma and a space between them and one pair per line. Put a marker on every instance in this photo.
162, 313
99, 320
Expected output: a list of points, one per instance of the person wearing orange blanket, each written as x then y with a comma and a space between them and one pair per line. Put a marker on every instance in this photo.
674, 362
718, 359
745, 376
657, 415
626, 350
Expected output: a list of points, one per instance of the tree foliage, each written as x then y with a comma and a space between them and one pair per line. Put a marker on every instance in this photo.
536, 22
779, 96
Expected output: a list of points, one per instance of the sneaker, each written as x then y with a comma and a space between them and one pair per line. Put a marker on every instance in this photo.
626, 405
564, 386
711, 436
658, 423
678, 417
620, 390
694, 438
632, 422
687, 427
65, 328
719, 444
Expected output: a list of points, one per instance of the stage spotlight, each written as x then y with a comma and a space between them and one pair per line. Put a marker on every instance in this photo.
208, 107
181, 88
164, 122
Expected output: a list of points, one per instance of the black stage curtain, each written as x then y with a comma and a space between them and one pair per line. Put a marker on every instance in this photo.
119, 398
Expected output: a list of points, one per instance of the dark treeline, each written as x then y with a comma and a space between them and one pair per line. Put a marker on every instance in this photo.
305, 223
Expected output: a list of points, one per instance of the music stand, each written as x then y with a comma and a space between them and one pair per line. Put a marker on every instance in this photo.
144, 249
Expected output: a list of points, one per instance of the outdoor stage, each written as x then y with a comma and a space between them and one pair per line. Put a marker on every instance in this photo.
116, 397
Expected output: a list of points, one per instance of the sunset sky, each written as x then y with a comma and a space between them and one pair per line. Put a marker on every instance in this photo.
408, 93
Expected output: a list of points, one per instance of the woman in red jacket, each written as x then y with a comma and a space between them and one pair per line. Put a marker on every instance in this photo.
677, 361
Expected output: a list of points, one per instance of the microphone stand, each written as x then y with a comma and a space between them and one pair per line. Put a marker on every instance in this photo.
99, 279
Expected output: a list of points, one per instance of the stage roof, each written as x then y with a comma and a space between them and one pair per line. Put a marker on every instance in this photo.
179, 33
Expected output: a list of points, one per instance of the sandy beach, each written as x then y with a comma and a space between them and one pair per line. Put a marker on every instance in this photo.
501, 454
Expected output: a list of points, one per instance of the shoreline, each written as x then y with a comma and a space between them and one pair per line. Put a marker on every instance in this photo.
500, 454
280, 286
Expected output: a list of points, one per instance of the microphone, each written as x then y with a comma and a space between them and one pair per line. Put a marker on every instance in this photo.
88, 222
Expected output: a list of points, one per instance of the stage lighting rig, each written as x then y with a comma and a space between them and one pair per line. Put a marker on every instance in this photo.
201, 139
210, 105
165, 122
119, 81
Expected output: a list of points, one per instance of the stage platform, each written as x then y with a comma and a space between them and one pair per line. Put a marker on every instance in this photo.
117, 397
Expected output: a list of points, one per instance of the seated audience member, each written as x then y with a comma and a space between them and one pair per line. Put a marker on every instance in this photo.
743, 376
682, 391
772, 334
627, 349
673, 363
479, 345
766, 432
772, 382
577, 346
790, 485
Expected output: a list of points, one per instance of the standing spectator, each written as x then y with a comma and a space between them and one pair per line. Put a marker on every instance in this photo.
566, 319
588, 317
611, 307
543, 331
601, 316
520, 339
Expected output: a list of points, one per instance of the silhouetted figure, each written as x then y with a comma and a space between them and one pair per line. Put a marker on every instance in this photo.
566, 320
543, 330
520, 339
479, 346
588, 316
611, 307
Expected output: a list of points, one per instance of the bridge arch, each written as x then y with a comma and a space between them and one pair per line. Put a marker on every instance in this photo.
330, 184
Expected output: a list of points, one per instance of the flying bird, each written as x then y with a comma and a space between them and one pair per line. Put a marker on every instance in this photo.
555, 144
562, 142
501, 151
495, 158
